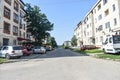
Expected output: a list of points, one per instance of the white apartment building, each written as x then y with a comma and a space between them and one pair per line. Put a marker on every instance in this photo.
101, 21
88, 29
12, 24
106, 19
67, 43
85, 31
78, 34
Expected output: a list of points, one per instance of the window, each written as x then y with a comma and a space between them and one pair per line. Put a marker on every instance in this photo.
116, 39
104, 2
7, 12
20, 34
100, 17
20, 24
24, 34
16, 6
8, 1
110, 40
113, 6
99, 6
100, 28
5, 42
115, 21
106, 12
6, 28
15, 30
24, 26
15, 18
107, 25
14, 43
106, 41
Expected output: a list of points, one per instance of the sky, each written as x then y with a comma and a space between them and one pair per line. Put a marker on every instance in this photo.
64, 14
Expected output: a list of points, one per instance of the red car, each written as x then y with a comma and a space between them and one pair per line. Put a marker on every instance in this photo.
27, 52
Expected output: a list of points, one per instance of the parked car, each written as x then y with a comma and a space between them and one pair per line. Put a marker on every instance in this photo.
27, 52
39, 49
11, 51
0, 47
48, 49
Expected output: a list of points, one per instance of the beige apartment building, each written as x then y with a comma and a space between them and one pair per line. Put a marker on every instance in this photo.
78, 34
12, 24
101, 21
67, 43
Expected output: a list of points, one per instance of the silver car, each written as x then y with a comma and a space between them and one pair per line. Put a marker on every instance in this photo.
39, 49
11, 51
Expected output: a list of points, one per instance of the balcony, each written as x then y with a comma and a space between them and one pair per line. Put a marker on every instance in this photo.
6, 31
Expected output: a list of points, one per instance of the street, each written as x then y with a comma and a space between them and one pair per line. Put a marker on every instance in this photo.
60, 64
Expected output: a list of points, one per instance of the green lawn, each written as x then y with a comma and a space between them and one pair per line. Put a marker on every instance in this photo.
99, 54
109, 56
2, 60
93, 51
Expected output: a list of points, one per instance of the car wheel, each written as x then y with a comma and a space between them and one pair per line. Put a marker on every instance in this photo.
104, 51
7, 56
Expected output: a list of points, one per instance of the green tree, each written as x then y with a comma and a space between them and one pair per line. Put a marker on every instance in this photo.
53, 42
38, 24
74, 41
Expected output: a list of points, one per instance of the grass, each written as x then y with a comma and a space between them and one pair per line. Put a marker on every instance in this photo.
109, 56
99, 54
93, 51
2, 60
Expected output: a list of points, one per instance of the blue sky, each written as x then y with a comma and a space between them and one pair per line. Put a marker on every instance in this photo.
65, 14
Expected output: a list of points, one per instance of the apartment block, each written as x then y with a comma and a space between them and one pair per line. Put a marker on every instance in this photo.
12, 22
101, 21
78, 35
106, 19
67, 43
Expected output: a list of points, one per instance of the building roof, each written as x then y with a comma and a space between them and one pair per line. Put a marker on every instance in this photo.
22, 2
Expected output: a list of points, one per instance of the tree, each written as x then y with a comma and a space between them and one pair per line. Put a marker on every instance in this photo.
74, 41
38, 24
53, 42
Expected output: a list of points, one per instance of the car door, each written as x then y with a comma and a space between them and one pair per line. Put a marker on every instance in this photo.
4, 51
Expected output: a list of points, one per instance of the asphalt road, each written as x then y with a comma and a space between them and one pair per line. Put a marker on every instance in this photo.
60, 64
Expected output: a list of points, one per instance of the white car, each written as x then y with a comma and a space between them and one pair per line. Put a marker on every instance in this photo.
11, 51
39, 49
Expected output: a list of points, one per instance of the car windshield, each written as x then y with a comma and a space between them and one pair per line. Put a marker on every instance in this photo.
16, 48
116, 39
37, 47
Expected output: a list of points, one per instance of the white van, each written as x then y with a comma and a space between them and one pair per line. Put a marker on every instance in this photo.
112, 44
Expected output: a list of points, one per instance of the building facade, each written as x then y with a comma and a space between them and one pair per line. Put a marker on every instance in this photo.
106, 19
67, 43
101, 21
12, 23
